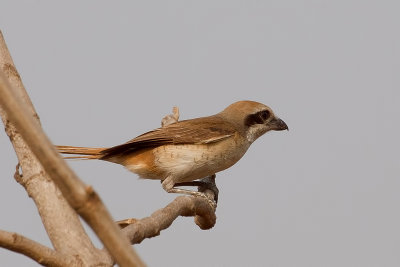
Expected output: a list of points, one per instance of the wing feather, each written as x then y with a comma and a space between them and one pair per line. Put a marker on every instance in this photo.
196, 131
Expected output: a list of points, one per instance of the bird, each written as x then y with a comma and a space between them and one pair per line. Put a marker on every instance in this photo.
189, 150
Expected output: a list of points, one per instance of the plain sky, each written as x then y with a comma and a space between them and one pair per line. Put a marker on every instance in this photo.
326, 193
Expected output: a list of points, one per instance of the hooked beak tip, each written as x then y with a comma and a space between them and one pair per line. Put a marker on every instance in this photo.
279, 125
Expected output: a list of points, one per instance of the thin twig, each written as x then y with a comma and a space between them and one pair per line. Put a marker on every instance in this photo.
34, 250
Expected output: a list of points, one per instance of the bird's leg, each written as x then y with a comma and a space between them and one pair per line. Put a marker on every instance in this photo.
169, 186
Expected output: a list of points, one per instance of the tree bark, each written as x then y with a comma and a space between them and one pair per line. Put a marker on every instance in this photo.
61, 222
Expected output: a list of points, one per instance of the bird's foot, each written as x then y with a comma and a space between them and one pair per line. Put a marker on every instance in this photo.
208, 197
207, 183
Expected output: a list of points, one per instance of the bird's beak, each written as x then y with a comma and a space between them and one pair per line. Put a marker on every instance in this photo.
277, 124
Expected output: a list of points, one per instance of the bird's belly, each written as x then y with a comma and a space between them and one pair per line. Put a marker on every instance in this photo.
191, 162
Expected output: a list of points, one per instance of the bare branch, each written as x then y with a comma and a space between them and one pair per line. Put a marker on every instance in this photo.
61, 222
81, 197
34, 250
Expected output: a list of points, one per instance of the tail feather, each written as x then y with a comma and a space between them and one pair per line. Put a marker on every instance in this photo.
86, 152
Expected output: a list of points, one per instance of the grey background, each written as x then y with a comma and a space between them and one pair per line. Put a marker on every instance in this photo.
326, 193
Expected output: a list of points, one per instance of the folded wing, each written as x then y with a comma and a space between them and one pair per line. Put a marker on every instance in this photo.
196, 131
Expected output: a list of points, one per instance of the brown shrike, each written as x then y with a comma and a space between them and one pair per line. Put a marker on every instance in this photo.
188, 150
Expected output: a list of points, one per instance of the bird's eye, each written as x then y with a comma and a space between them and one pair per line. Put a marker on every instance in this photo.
257, 118
265, 114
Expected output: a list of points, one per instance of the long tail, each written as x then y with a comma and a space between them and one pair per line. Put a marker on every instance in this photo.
86, 152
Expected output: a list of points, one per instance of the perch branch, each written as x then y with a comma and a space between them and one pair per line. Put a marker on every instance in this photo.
161, 219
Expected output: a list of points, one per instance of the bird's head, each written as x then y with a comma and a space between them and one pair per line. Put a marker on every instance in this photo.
253, 118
